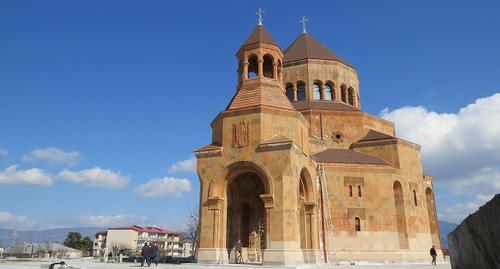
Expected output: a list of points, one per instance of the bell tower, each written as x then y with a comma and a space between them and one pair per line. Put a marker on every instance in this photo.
260, 73
259, 57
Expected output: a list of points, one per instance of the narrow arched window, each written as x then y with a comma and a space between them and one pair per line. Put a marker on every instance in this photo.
268, 66
327, 92
343, 93
253, 67
415, 198
350, 96
301, 91
357, 224
289, 92
359, 191
350, 190
316, 92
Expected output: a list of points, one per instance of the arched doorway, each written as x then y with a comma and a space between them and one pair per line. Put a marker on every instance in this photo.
246, 218
399, 203
431, 211
304, 215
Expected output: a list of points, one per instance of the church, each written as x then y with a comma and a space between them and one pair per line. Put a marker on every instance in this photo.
296, 173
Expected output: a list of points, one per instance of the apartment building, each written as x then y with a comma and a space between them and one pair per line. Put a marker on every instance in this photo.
133, 238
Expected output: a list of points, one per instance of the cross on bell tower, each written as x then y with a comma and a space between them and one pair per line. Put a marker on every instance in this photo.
260, 18
303, 21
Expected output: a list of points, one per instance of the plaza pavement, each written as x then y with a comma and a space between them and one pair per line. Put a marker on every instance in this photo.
97, 265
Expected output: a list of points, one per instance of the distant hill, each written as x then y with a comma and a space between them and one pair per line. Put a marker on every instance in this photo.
445, 228
54, 235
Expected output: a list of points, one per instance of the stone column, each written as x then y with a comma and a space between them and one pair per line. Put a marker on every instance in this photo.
214, 252
245, 70
268, 205
275, 69
294, 93
261, 67
215, 205
280, 73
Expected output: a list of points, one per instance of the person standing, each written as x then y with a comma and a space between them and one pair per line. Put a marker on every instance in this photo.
434, 255
239, 247
154, 254
145, 252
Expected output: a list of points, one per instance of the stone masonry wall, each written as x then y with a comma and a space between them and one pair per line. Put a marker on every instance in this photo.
476, 242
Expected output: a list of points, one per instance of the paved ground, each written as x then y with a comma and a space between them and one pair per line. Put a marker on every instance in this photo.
94, 265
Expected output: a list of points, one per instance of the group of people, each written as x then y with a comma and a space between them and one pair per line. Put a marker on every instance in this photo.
149, 254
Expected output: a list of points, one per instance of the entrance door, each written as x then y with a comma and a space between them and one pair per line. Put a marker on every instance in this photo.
245, 219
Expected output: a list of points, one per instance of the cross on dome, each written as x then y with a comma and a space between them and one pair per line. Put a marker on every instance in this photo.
259, 14
303, 21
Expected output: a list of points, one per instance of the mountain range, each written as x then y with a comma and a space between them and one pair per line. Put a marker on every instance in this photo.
54, 235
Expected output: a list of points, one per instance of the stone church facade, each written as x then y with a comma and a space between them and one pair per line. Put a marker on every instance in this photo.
297, 173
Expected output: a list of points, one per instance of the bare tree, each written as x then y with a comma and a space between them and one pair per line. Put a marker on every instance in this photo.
48, 247
116, 247
17, 249
40, 252
191, 232
61, 252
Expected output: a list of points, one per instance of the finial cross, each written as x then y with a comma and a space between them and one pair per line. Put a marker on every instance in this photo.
303, 21
260, 13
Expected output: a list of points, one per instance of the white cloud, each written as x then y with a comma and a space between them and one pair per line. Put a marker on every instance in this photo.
461, 150
458, 212
470, 137
52, 156
113, 221
485, 181
165, 187
33, 176
3, 152
96, 177
20, 222
188, 165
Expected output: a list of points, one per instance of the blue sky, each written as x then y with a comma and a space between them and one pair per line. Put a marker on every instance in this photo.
99, 99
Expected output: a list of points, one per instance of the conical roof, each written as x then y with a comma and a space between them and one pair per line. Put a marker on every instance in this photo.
260, 94
260, 34
306, 47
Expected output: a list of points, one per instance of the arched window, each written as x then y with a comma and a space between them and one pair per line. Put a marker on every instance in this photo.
327, 92
357, 224
268, 66
253, 67
350, 96
301, 91
359, 191
289, 92
316, 91
343, 93
415, 198
350, 190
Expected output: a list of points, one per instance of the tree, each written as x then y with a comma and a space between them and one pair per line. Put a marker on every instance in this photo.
73, 240
48, 247
86, 245
116, 248
191, 232
17, 248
